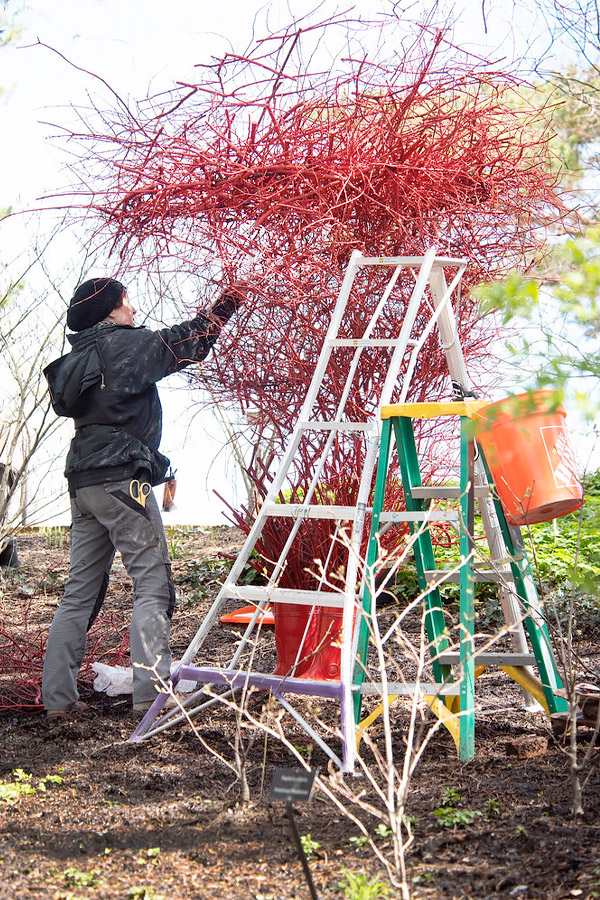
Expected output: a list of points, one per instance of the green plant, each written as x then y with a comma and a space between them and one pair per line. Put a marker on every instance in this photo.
451, 797
309, 846
358, 886
198, 575
52, 580
565, 556
254, 572
595, 884
175, 539
175, 547
359, 841
142, 893
424, 878
49, 779
492, 807
56, 536
77, 878
450, 814
380, 834
556, 544
305, 750
12, 791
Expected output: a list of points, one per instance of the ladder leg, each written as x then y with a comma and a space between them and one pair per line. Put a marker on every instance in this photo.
435, 624
535, 623
457, 367
349, 715
467, 598
368, 603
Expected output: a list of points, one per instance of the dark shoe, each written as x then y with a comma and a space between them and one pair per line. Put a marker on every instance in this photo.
76, 710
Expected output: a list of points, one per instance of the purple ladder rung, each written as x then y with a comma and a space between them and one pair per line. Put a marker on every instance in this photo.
235, 679
277, 684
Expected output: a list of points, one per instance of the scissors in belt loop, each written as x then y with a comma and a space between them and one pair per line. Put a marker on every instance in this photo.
139, 491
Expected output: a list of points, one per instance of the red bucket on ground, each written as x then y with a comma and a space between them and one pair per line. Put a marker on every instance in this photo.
526, 445
308, 641
295, 638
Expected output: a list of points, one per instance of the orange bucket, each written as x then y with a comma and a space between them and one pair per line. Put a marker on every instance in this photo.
526, 444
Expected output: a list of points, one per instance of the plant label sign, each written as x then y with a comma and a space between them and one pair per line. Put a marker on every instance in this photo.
292, 785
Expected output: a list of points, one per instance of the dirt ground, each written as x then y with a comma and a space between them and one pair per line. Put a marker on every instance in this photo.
85, 814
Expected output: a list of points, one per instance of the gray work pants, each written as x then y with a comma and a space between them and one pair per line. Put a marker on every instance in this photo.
105, 517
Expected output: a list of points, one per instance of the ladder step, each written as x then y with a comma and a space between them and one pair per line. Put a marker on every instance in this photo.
447, 492
490, 659
257, 594
441, 576
434, 515
278, 684
364, 342
408, 689
349, 513
439, 261
312, 511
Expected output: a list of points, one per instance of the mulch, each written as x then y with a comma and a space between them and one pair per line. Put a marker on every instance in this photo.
104, 818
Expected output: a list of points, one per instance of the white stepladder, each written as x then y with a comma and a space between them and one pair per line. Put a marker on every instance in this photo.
435, 280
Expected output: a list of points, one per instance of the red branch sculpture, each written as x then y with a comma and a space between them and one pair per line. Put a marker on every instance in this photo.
273, 171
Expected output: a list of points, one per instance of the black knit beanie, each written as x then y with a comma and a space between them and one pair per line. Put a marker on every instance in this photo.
93, 301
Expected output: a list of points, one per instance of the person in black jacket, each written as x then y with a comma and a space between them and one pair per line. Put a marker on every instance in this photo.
107, 385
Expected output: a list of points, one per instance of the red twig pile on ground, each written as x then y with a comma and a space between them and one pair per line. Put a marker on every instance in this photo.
23, 646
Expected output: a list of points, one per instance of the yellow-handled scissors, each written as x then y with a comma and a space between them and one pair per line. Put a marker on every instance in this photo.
139, 490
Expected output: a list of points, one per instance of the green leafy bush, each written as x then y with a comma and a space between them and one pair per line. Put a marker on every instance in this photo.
565, 556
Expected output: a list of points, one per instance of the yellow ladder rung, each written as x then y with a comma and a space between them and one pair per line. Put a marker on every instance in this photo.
431, 410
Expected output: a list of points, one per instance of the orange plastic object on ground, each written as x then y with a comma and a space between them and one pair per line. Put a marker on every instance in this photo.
526, 445
319, 658
244, 615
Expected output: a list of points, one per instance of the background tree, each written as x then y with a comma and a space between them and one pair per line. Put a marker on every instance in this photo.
31, 334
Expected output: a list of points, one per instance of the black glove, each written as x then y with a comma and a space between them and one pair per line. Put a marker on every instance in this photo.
230, 300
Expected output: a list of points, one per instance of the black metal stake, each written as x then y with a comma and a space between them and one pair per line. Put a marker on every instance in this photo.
290, 814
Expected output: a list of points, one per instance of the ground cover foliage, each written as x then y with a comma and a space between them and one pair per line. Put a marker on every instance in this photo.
85, 814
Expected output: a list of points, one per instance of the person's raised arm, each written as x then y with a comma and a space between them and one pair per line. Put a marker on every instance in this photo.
191, 341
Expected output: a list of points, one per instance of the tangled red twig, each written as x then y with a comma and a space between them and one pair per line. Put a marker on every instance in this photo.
272, 170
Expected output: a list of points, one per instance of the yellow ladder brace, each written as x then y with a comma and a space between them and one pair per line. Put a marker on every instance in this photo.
448, 714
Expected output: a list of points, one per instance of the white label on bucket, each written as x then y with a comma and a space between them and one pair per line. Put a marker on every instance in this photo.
560, 456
